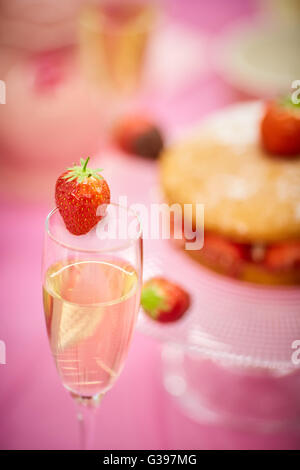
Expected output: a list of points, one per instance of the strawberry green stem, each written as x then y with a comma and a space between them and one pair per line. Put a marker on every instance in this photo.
85, 164
80, 173
153, 301
287, 101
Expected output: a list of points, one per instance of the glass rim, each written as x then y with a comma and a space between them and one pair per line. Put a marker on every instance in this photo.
120, 247
146, 26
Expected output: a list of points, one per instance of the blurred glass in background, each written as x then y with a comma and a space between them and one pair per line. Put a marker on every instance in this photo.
114, 37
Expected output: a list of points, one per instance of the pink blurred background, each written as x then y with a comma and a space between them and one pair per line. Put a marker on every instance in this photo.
51, 119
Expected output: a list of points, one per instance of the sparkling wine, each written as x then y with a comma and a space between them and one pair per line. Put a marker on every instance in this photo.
90, 309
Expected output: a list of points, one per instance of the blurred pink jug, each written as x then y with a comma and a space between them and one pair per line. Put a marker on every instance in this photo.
49, 115
50, 118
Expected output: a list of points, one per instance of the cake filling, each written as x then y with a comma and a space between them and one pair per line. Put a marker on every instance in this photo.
231, 255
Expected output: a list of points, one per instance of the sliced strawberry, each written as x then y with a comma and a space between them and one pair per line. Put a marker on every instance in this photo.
223, 254
224, 251
283, 256
280, 128
163, 300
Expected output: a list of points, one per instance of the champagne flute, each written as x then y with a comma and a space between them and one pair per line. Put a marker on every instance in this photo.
114, 38
91, 295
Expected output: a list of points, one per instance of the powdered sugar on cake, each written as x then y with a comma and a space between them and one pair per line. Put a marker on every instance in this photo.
238, 125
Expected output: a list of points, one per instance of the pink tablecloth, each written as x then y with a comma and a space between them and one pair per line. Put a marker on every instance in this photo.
35, 411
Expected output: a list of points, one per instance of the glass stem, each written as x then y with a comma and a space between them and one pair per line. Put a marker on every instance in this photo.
86, 413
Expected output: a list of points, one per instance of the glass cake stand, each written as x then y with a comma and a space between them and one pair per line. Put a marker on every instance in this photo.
232, 359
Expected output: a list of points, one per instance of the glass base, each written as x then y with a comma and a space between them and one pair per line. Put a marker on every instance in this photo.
213, 391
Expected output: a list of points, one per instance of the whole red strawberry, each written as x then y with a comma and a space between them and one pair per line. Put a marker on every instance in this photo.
81, 195
280, 128
163, 300
138, 135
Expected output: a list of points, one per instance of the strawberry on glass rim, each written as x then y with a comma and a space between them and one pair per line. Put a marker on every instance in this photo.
280, 128
82, 196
